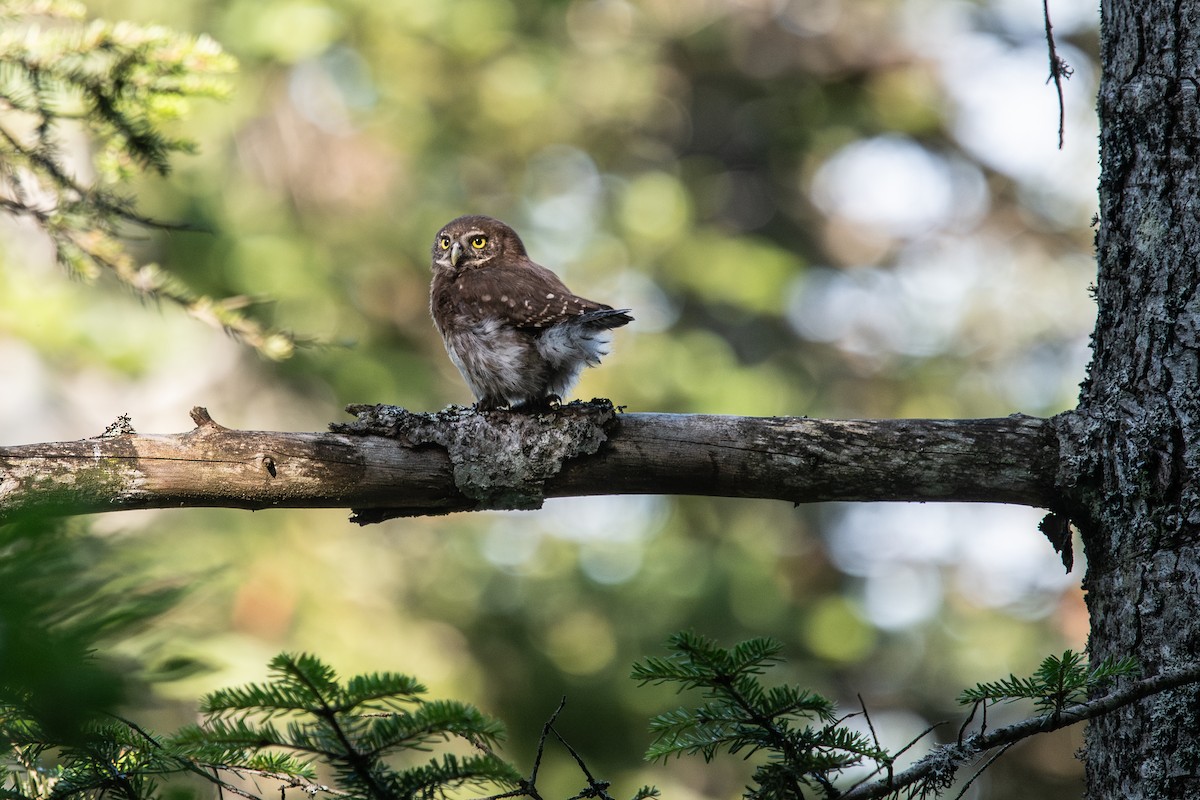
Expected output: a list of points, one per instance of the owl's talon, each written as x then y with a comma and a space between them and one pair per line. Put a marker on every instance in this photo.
550, 402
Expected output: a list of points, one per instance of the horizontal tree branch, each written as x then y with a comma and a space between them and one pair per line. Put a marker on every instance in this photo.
944, 761
391, 462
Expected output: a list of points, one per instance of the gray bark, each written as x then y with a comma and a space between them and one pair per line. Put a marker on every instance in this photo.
392, 462
1132, 450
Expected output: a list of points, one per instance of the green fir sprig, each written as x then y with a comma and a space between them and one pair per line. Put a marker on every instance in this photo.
305, 716
1058, 682
798, 731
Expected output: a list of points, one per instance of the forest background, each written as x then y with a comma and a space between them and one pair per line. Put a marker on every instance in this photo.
823, 208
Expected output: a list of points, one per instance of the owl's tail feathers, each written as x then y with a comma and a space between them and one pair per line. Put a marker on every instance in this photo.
605, 318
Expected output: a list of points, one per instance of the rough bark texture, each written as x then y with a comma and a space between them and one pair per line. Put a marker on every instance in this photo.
392, 462
1136, 436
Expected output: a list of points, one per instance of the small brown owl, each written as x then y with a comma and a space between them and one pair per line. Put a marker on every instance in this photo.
517, 334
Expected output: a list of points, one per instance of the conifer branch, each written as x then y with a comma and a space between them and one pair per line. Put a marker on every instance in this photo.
741, 715
355, 727
124, 85
937, 770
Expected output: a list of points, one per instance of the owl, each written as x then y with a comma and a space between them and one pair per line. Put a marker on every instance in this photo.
517, 334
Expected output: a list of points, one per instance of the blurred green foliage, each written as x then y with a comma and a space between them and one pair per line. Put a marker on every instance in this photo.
62, 597
810, 212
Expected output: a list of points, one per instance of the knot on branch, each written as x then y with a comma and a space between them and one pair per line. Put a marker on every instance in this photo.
501, 459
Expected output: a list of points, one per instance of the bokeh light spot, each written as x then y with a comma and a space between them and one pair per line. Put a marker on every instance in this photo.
581, 643
836, 631
655, 207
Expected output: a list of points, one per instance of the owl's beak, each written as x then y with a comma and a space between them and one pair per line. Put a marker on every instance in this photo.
456, 252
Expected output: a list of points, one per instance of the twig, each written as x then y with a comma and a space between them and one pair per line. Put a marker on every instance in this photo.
1059, 69
976, 706
879, 764
894, 756
549, 726
595, 788
528, 787
867, 716
220, 784
981, 770
578, 759
917, 738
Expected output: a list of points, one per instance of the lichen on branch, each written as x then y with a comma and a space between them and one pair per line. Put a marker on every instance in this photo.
501, 460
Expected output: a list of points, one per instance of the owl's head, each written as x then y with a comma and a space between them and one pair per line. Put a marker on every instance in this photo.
473, 241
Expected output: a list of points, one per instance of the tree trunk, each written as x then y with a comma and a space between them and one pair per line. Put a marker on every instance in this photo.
1136, 451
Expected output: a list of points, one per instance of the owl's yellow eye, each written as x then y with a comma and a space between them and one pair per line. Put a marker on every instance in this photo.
479, 242
444, 242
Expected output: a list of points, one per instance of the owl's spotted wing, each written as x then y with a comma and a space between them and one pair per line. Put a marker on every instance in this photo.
528, 295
